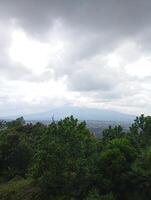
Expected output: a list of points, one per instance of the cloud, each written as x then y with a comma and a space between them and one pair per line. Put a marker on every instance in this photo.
99, 51
129, 16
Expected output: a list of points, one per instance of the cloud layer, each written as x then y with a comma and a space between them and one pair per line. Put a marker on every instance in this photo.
85, 53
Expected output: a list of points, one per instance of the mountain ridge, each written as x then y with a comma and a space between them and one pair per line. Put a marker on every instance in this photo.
82, 113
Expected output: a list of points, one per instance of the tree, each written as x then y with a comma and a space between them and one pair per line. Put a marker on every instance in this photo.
62, 161
94, 195
141, 128
2, 125
15, 156
112, 133
16, 124
115, 165
142, 171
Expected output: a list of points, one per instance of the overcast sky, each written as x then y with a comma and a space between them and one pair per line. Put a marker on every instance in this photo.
93, 53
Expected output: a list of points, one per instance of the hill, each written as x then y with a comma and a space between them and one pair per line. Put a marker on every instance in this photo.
81, 113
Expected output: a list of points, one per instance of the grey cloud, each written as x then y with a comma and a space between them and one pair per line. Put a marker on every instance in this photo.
92, 80
125, 13
93, 28
102, 23
15, 71
11, 70
123, 18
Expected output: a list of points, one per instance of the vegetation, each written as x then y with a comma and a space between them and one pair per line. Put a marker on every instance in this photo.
65, 161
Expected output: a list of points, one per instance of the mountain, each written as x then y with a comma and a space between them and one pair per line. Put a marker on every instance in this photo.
81, 113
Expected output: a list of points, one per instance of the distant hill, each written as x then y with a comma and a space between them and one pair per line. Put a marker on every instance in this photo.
81, 113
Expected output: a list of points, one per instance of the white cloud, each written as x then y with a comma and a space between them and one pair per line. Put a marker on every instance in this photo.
33, 54
52, 57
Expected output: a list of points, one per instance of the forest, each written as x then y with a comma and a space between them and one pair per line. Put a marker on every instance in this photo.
66, 161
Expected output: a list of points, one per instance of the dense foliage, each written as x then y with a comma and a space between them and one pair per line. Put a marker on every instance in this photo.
65, 161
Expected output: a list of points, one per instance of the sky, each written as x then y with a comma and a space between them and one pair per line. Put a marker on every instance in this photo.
87, 53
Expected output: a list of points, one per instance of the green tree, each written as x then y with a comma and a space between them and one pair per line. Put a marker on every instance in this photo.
2, 125
14, 156
142, 171
141, 128
16, 124
63, 158
113, 133
94, 195
115, 165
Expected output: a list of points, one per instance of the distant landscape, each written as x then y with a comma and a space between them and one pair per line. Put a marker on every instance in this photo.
82, 113
95, 126
96, 119
75, 99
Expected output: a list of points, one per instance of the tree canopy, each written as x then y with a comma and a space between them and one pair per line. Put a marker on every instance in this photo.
68, 162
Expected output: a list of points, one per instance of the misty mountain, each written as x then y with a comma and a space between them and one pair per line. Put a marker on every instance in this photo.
81, 113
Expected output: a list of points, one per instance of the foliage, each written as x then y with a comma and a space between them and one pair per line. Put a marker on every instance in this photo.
64, 161
14, 156
142, 129
94, 195
63, 157
112, 133
18, 189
